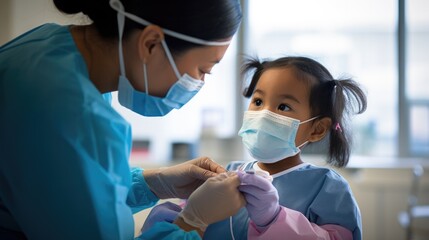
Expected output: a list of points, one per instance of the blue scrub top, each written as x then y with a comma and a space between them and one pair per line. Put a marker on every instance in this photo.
320, 194
64, 150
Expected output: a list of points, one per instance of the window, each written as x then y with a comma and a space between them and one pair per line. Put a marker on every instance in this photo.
417, 75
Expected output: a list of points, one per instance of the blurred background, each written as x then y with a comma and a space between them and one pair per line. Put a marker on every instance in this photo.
382, 44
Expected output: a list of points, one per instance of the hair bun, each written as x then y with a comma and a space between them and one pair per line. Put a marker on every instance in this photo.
71, 6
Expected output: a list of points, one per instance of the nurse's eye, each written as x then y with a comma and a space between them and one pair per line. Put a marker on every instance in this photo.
283, 107
204, 72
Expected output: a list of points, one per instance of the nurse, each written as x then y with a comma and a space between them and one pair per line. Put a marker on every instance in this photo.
64, 150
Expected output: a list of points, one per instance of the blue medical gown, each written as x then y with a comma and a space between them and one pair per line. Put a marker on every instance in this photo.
64, 150
320, 194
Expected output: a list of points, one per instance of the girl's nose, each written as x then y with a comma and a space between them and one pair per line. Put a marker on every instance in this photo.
269, 107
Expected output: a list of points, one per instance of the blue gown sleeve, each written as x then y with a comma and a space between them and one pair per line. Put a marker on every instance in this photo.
342, 209
140, 196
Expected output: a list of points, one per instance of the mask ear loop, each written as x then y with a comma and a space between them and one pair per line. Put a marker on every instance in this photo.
300, 146
146, 88
170, 58
308, 120
121, 23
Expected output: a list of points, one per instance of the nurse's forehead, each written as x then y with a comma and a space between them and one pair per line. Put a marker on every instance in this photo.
210, 54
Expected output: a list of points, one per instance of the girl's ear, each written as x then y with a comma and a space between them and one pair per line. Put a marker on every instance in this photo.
320, 129
150, 37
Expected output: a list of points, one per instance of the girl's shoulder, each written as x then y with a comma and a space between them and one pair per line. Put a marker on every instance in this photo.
324, 173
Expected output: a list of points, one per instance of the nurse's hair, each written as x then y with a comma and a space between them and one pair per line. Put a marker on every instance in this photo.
329, 97
209, 20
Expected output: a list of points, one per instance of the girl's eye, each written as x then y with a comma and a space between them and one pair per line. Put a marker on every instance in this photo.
283, 107
257, 102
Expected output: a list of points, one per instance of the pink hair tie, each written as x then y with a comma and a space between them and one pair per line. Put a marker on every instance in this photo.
338, 127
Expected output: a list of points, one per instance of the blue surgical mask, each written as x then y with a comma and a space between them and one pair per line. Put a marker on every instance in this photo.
270, 137
142, 103
183, 90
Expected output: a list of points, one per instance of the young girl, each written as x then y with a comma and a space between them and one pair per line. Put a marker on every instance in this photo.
294, 102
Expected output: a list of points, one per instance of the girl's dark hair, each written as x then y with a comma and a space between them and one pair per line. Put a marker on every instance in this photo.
208, 19
329, 97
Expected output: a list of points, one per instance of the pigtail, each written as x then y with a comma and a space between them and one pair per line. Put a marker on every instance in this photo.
249, 65
347, 98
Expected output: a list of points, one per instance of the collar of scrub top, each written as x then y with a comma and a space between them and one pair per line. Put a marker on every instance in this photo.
118, 7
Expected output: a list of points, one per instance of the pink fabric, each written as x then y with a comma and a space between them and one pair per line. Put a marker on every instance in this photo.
291, 224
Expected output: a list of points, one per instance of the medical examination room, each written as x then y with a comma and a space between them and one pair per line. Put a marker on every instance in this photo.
313, 121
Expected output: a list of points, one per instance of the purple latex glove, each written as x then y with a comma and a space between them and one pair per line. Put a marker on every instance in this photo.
262, 198
167, 211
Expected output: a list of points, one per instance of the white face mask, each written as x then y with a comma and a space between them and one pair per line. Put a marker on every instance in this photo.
179, 94
270, 137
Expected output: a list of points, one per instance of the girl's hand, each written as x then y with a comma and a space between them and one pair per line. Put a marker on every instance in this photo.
262, 198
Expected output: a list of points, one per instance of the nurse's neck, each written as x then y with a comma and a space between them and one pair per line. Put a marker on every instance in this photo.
100, 56
281, 165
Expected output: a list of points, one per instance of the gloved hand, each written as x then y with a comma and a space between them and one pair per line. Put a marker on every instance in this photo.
181, 180
217, 199
261, 196
167, 211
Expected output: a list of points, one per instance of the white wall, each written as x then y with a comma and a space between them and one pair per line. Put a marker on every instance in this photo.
381, 194
5, 12
18, 16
